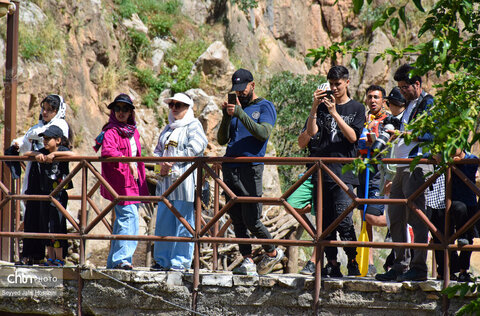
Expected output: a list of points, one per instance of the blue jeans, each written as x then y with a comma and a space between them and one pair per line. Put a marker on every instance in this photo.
126, 223
174, 254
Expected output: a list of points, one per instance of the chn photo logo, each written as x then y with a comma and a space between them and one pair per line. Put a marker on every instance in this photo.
18, 282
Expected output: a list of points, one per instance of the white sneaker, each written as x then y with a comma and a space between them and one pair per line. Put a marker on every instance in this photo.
246, 268
266, 265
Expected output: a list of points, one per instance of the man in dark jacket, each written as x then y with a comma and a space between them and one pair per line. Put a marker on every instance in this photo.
406, 182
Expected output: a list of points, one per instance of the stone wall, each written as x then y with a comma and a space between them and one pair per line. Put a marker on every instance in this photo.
141, 292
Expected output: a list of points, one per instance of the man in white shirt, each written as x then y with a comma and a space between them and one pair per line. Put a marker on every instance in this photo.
406, 182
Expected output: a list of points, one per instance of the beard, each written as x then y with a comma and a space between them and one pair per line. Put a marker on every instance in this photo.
245, 100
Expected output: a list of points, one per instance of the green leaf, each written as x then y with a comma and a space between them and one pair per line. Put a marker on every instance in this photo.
401, 13
418, 4
379, 23
394, 24
390, 11
357, 6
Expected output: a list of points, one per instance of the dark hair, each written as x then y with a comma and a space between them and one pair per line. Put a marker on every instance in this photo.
68, 142
376, 88
337, 72
53, 100
403, 74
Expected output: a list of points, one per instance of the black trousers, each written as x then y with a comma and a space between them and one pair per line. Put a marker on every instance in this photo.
459, 215
247, 181
335, 201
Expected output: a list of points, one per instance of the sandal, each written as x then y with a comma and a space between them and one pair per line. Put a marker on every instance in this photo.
124, 266
58, 263
49, 262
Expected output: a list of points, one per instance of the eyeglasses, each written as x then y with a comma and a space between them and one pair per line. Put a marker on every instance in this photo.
405, 87
176, 105
124, 109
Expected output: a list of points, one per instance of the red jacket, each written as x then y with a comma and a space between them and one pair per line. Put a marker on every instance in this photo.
118, 174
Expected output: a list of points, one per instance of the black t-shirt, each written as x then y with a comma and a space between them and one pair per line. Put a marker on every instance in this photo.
330, 141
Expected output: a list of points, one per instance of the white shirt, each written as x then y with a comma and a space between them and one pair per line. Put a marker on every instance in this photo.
401, 149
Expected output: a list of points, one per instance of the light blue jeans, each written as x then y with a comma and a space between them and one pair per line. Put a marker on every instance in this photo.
126, 223
174, 254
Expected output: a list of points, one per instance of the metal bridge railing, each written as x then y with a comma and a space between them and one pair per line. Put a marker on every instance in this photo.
209, 231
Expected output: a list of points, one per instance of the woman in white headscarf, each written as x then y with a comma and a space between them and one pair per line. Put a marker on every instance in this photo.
52, 112
182, 137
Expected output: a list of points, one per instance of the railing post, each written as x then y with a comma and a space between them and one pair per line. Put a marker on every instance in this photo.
10, 120
216, 207
83, 224
446, 233
318, 249
198, 228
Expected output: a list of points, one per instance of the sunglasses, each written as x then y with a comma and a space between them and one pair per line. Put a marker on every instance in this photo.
176, 105
123, 109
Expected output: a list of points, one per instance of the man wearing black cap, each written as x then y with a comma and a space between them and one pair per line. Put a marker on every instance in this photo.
246, 127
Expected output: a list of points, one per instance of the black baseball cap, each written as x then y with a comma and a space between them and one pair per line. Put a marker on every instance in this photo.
240, 79
52, 132
396, 96
123, 98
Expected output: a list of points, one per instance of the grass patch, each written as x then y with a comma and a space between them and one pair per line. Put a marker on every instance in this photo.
175, 75
39, 42
114, 74
159, 16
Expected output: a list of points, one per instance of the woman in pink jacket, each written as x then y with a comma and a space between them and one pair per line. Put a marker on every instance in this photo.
120, 138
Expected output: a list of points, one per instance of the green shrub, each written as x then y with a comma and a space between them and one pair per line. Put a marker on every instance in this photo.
125, 8
292, 96
41, 42
159, 25
139, 44
181, 57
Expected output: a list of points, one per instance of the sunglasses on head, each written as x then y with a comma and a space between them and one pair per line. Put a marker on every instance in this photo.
177, 105
118, 108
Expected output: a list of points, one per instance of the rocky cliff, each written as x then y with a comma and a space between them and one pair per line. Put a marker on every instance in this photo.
86, 64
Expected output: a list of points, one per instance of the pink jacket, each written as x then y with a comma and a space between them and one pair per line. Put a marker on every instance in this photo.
118, 174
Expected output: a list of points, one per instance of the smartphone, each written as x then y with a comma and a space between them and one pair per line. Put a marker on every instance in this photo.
326, 87
232, 98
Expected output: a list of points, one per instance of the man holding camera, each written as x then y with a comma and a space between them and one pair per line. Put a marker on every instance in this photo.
337, 122
377, 118
246, 126
406, 182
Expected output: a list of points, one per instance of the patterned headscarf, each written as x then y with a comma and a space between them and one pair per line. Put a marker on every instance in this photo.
125, 130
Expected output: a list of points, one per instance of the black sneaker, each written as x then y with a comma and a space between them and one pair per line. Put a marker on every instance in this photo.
453, 277
412, 275
308, 269
465, 277
390, 275
332, 271
158, 267
352, 268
